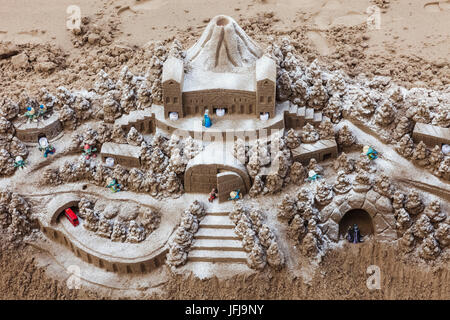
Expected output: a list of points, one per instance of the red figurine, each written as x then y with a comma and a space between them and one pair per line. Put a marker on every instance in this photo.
212, 195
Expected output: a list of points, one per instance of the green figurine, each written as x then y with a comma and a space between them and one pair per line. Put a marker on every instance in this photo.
31, 114
89, 151
20, 163
113, 185
45, 147
42, 110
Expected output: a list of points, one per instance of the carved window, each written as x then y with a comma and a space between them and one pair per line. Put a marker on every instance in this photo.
175, 100
261, 99
167, 99
269, 99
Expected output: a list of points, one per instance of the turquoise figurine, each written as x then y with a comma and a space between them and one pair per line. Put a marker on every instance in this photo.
206, 120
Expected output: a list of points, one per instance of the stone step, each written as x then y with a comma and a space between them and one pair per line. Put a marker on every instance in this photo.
309, 115
301, 112
218, 234
317, 117
222, 222
293, 108
217, 256
217, 214
213, 244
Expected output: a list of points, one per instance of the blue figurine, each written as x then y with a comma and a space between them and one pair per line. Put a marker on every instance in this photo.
370, 152
235, 195
312, 175
206, 120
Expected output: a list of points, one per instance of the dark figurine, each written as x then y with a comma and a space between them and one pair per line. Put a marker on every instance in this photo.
353, 234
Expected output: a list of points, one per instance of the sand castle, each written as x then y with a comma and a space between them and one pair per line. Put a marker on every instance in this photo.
286, 139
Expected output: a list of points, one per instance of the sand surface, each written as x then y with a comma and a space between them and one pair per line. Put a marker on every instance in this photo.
410, 44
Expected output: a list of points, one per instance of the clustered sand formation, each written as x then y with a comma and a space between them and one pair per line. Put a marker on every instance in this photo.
270, 173
180, 244
119, 222
105, 101
10, 146
422, 229
388, 109
163, 163
15, 215
258, 158
257, 239
383, 106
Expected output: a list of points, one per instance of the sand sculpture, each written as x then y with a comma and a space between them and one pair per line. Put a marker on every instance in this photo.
153, 158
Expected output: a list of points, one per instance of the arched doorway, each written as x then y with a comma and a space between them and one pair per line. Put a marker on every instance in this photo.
358, 216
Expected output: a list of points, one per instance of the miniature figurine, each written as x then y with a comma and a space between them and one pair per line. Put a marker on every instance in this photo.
89, 151
212, 195
206, 120
45, 147
370, 152
446, 149
113, 185
31, 114
19, 163
312, 175
220, 112
173, 116
353, 234
42, 110
234, 195
109, 162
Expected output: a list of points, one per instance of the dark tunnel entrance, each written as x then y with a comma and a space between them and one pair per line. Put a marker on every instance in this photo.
358, 216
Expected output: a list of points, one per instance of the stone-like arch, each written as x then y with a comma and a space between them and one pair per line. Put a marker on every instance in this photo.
356, 216
376, 205
201, 172
58, 204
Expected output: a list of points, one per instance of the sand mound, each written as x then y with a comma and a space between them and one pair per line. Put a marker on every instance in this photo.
224, 47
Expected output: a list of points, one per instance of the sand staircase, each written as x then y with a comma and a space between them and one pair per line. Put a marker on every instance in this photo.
216, 241
139, 119
299, 116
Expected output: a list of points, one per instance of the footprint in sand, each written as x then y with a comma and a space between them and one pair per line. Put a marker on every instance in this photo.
328, 16
437, 6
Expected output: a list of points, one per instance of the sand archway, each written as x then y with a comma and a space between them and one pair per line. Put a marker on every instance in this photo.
359, 216
368, 208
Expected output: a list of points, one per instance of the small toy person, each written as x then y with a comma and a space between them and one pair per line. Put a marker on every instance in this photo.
45, 147
113, 185
42, 110
312, 175
206, 120
89, 151
212, 195
371, 153
353, 234
234, 195
31, 114
19, 163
